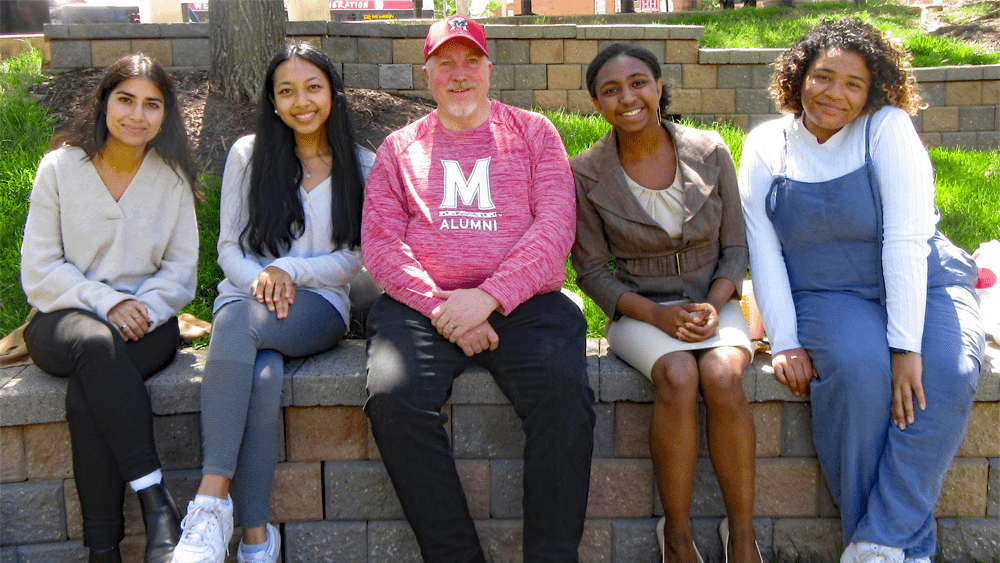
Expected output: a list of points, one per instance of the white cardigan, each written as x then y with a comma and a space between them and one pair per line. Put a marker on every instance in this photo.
906, 185
311, 260
82, 249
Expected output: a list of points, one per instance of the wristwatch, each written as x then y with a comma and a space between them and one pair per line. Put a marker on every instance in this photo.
899, 351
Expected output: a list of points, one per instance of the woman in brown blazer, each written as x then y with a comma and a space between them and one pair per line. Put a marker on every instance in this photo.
661, 199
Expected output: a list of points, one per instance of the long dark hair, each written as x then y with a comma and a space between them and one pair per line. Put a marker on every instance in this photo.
89, 130
615, 49
892, 81
275, 213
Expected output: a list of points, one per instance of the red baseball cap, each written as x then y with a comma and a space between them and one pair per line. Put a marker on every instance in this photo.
454, 27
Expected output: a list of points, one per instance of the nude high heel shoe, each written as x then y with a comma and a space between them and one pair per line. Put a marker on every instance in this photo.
724, 534
659, 539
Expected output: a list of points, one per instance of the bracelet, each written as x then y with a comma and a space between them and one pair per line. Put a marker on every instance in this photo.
899, 351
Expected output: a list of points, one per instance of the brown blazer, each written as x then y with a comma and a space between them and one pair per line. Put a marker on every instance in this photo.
611, 223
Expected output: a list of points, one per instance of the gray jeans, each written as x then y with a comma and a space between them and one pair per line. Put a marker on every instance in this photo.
241, 391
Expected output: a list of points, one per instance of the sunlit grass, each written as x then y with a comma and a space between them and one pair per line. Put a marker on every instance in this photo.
779, 27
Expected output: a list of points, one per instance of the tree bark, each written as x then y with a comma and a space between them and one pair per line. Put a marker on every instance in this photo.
244, 34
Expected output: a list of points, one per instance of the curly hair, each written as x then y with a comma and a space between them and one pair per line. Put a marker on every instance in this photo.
892, 81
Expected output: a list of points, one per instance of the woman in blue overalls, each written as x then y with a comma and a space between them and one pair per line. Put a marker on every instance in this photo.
868, 308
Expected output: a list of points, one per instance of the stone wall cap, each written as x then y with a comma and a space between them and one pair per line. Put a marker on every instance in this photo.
337, 377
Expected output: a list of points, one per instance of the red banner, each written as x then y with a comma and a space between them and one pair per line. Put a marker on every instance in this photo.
371, 5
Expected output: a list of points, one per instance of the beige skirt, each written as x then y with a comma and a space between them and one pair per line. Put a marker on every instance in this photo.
641, 344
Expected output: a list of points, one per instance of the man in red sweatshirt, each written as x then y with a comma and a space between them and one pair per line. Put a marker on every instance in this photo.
469, 215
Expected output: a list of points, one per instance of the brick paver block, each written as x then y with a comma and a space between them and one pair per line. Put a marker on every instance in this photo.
486, 432
326, 542
408, 51
375, 50
106, 52
392, 542
976, 118
699, 76
62, 552
193, 52
982, 437
940, 119
580, 101
681, 51
991, 93
767, 425
157, 49
684, 101
550, 99
530, 77
359, 490
634, 540
993, 497
963, 93
565, 76
326, 433
475, 477
297, 494
71, 54
964, 492
807, 539
796, 430
419, 78
579, 51
47, 451
718, 101
345, 49
545, 51
506, 488
596, 544
620, 488
12, 463
786, 487
502, 540
178, 440
46, 520
632, 429
511, 51
968, 539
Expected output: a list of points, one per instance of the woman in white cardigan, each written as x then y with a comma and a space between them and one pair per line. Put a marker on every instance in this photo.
289, 235
109, 257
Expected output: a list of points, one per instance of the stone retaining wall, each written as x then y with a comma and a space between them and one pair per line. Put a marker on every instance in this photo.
334, 501
544, 66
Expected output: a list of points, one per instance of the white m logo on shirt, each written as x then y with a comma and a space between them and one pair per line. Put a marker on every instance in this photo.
456, 185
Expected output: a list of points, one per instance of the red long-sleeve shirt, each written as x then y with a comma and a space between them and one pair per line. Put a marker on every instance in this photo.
491, 208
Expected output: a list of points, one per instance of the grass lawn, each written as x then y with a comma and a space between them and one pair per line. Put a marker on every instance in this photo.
779, 26
968, 190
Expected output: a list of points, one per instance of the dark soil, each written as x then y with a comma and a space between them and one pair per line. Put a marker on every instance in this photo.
213, 122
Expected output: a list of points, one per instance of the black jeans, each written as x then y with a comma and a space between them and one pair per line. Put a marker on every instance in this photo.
540, 365
109, 412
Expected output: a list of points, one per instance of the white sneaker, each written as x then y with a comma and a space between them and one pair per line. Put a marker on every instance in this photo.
269, 555
921, 560
867, 552
205, 532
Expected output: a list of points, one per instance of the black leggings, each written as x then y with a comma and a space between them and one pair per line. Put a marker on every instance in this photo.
109, 412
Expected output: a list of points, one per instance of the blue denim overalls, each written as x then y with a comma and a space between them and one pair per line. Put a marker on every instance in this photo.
885, 480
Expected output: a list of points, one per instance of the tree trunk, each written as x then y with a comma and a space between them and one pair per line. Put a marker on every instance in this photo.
245, 34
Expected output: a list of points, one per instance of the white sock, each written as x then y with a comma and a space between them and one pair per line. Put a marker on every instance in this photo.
208, 500
146, 481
